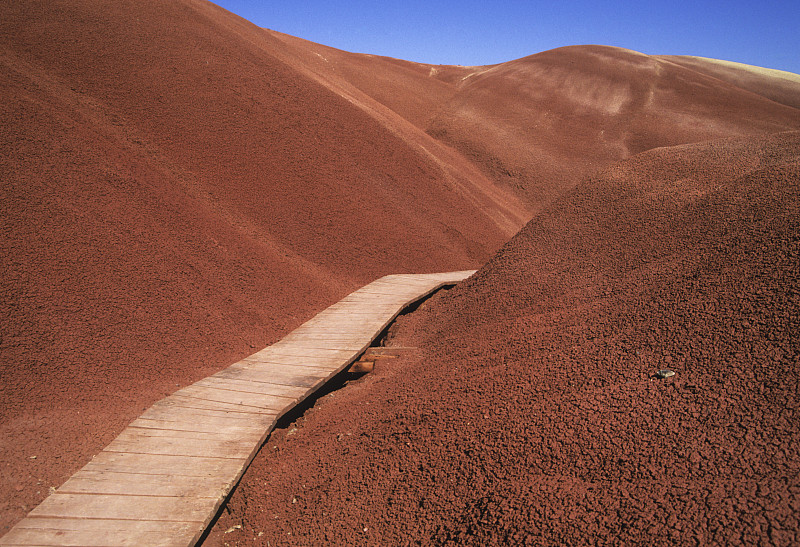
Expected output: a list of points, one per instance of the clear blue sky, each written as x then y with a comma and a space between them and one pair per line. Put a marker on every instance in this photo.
471, 32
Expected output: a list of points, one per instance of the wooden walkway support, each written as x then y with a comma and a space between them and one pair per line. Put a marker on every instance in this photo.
161, 482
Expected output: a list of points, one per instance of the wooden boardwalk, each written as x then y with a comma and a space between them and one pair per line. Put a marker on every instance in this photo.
161, 482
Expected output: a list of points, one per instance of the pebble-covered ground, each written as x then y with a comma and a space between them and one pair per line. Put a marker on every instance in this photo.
530, 412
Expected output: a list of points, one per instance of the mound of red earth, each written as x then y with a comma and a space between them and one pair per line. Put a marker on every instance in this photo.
538, 125
530, 412
179, 187
541, 123
173, 196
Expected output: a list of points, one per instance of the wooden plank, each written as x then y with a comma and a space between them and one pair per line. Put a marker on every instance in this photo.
344, 322
362, 295
164, 464
108, 506
435, 280
286, 369
390, 290
422, 279
401, 286
106, 482
294, 360
408, 283
129, 443
222, 434
378, 356
401, 280
366, 306
454, 277
398, 301
398, 289
257, 401
348, 332
255, 373
198, 403
332, 342
355, 316
300, 349
344, 331
319, 332
348, 335
360, 308
99, 533
317, 340
277, 390
196, 425
165, 410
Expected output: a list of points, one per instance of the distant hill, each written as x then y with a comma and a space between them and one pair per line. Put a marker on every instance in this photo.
539, 124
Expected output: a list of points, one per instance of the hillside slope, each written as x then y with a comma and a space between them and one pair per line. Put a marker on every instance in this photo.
539, 124
543, 122
776, 85
174, 194
530, 413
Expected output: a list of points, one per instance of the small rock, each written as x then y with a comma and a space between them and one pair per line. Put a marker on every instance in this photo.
233, 528
665, 373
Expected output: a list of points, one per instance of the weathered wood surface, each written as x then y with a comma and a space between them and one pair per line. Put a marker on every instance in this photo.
162, 480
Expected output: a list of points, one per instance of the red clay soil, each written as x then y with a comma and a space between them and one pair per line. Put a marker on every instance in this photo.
776, 85
543, 122
179, 187
174, 196
538, 125
530, 414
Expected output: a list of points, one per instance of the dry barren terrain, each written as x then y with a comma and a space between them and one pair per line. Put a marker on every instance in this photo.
179, 186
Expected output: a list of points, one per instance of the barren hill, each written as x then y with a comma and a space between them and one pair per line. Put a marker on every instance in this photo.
776, 85
543, 122
530, 413
179, 187
175, 194
538, 125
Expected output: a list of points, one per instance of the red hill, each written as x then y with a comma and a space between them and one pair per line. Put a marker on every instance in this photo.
530, 413
543, 122
174, 194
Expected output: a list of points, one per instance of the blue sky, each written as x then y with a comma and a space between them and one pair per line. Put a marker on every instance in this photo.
470, 32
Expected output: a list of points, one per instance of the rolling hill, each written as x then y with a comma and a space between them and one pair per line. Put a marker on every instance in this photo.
530, 411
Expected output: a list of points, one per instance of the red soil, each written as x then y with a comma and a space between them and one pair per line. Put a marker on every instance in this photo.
775, 85
541, 123
180, 187
530, 414
174, 196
